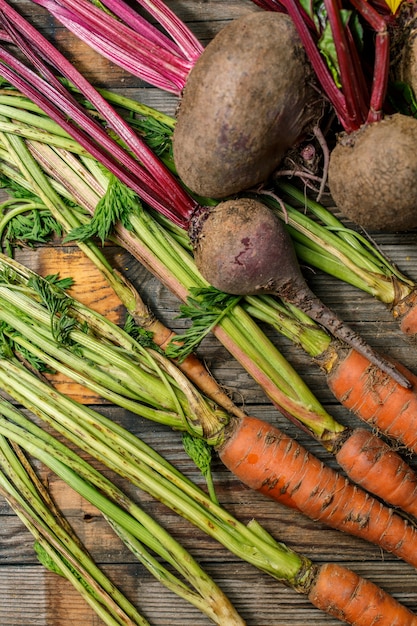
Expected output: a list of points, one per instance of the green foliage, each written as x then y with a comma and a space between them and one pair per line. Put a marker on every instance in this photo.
117, 205
157, 135
201, 453
9, 348
317, 11
26, 221
206, 307
140, 335
402, 98
14, 189
58, 304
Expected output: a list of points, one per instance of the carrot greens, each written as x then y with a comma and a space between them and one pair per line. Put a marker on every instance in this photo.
57, 546
143, 533
137, 462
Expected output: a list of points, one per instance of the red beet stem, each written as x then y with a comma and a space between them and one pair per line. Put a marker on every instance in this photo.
143, 171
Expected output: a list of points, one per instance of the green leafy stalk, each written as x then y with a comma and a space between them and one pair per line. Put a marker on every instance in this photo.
55, 542
128, 520
138, 379
205, 307
201, 454
131, 458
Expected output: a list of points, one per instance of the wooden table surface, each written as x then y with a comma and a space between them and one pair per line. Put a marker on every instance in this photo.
30, 595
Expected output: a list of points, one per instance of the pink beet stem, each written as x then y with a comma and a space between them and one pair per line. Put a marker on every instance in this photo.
148, 177
143, 54
184, 38
381, 63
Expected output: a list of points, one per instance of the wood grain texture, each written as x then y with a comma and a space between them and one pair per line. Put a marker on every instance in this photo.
31, 596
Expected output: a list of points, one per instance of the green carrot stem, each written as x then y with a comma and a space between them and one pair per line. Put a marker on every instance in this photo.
340, 251
303, 332
50, 530
89, 357
145, 383
170, 488
124, 514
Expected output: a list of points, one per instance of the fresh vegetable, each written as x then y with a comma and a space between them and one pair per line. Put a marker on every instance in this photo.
262, 263
161, 190
248, 456
326, 591
245, 99
287, 391
141, 465
377, 196
362, 181
60, 550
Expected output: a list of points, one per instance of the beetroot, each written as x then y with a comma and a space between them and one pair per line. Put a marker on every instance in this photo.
247, 100
243, 248
373, 174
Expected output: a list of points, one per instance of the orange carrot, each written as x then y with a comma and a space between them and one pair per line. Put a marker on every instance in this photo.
269, 461
191, 365
348, 597
405, 311
366, 459
369, 393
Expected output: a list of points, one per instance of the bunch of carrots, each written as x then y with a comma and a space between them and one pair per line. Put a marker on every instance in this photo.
126, 239
360, 602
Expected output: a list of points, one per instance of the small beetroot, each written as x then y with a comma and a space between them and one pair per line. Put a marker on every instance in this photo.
243, 248
373, 174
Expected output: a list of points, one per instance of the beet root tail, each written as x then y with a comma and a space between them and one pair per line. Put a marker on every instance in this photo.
308, 302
